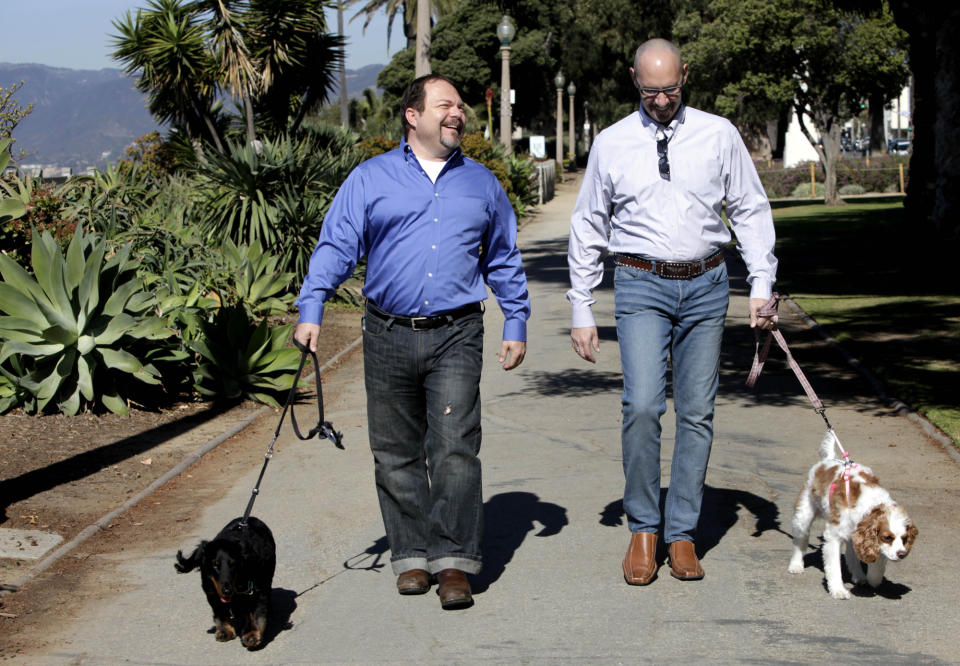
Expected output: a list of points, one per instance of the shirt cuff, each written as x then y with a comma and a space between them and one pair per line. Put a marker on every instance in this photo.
761, 288
582, 317
515, 329
311, 313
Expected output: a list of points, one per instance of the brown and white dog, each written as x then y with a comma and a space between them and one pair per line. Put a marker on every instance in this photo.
858, 513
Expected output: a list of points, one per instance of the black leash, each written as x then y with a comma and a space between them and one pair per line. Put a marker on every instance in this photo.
322, 429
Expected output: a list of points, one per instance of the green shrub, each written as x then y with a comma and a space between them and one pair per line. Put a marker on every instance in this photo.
802, 191
852, 188
241, 360
80, 327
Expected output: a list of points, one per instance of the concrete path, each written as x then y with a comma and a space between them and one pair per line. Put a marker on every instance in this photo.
552, 590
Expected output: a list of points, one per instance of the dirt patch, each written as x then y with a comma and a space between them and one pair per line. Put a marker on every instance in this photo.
60, 474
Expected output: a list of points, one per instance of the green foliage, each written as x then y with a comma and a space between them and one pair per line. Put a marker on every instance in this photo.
254, 279
276, 195
37, 205
11, 208
241, 360
78, 323
881, 175
275, 60
11, 113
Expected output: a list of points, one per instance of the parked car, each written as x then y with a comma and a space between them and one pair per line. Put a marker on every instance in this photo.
898, 146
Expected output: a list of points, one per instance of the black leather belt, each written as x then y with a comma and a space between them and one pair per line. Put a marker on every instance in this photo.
425, 323
671, 270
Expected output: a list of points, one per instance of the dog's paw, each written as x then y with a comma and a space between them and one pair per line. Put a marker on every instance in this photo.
225, 632
795, 567
840, 593
251, 639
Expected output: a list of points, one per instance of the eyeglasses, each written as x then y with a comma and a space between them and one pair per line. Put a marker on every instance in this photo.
672, 91
664, 164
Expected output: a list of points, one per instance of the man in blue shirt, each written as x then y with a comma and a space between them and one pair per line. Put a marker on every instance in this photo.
437, 228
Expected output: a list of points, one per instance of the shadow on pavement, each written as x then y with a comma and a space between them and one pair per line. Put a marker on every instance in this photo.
719, 512
507, 519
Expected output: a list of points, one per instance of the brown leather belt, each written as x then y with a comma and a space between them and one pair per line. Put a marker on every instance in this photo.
671, 270
425, 323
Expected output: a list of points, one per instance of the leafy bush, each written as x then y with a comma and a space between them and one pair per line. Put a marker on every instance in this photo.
802, 190
852, 188
77, 325
882, 175
241, 360
276, 193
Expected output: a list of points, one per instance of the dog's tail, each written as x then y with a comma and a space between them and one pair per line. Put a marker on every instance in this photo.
187, 564
829, 445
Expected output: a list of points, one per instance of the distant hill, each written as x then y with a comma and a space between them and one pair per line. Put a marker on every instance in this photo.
84, 118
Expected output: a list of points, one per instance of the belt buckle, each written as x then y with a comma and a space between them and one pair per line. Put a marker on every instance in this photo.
414, 320
675, 270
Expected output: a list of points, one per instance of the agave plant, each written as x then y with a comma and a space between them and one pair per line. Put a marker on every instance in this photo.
77, 323
240, 360
11, 207
255, 279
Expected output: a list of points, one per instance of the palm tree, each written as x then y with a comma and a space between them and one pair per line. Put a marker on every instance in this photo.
407, 11
188, 54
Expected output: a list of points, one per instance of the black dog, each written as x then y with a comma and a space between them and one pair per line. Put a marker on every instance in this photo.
236, 570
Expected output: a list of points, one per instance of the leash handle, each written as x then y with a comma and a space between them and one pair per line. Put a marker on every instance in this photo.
760, 356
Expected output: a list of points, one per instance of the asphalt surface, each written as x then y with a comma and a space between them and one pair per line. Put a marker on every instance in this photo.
552, 589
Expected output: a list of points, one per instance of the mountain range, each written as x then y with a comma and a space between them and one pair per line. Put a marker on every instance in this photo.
84, 118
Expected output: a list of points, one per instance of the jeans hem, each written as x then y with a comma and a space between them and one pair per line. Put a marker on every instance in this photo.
408, 563
460, 562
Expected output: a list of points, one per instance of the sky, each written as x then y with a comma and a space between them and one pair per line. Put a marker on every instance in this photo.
77, 33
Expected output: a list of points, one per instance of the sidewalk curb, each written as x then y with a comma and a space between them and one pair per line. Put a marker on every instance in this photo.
178, 469
894, 403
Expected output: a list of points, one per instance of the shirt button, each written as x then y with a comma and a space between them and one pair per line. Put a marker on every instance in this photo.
436, 194
436, 219
433, 247
429, 274
426, 302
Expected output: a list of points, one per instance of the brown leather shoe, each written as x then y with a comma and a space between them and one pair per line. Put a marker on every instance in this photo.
454, 589
684, 564
415, 581
640, 564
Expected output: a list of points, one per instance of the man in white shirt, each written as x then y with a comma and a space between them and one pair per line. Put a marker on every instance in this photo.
652, 195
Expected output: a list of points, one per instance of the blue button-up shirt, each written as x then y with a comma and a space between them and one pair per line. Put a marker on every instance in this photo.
431, 247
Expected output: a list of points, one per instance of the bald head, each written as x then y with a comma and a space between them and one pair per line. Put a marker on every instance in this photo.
659, 73
660, 55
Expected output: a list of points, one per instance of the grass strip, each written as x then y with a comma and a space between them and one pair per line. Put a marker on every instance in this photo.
884, 286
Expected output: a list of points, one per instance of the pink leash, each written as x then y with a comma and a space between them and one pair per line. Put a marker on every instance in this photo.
760, 357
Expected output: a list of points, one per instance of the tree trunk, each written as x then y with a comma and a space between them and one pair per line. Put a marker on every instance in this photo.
877, 136
422, 66
829, 156
933, 194
344, 112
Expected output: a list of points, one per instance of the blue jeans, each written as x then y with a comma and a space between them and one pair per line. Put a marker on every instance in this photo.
423, 412
657, 317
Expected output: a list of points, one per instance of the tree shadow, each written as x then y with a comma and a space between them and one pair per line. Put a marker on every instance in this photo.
508, 517
719, 512
90, 462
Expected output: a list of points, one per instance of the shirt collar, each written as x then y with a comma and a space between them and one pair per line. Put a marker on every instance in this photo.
652, 125
454, 159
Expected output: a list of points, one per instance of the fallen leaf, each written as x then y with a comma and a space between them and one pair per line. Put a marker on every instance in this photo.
146, 461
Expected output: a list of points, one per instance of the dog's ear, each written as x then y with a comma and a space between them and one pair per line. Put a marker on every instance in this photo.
187, 564
866, 542
911, 536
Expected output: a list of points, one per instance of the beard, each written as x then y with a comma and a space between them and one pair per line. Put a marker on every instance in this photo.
451, 142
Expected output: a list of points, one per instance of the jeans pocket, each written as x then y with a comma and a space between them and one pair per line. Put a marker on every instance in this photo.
373, 326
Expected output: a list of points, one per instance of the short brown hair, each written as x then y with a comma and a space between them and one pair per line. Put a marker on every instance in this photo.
414, 97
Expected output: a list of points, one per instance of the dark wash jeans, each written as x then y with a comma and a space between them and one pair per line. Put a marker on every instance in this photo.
423, 412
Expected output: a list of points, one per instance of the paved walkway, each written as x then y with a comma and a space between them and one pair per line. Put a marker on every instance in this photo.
552, 589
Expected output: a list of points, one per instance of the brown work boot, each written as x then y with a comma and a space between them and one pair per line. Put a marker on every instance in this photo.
640, 564
454, 589
415, 581
684, 564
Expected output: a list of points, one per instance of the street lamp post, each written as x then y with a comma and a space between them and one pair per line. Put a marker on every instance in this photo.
571, 91
558, 80
505, 31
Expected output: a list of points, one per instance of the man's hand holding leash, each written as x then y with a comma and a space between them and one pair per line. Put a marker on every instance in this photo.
307, 335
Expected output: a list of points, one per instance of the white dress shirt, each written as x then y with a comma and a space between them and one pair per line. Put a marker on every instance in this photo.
625, 205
